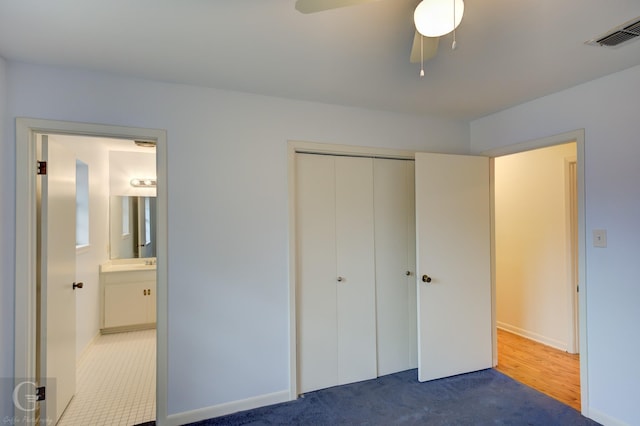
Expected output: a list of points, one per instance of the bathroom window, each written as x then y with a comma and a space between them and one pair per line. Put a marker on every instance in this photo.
147, 220
82, 204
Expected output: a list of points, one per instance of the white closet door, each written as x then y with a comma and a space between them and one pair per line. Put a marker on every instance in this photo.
412, 303
336, 271
355, 267
316, 272
395, 265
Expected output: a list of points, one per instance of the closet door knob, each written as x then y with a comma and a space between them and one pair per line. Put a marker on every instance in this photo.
77, 285
426, 279
340, 279
408, 273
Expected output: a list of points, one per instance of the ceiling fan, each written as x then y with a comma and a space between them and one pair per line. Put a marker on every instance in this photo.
433, 18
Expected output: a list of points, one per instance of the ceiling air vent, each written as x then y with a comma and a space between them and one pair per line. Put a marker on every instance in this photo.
615, 37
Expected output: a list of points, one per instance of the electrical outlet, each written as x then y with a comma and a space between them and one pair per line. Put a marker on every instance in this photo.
600, 238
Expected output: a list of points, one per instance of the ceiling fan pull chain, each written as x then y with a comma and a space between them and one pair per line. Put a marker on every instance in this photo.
454, 44
421, 56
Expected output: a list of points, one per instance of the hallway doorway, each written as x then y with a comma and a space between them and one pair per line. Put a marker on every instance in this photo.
536, 262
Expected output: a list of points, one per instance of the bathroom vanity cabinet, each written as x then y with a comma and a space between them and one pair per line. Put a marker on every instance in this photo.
128, 298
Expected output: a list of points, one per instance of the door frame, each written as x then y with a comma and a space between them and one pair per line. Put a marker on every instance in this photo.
294, 147
577, 136
26, 242
571, 206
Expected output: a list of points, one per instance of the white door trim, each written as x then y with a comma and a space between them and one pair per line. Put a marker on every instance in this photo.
317, 148
571, 207
578, 137
26, 242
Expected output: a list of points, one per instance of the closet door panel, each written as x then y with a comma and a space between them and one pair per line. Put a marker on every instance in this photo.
412, 283
395, 290
355, 266
316, 272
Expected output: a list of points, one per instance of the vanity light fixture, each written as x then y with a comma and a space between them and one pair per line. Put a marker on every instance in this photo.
144, 182
145, 144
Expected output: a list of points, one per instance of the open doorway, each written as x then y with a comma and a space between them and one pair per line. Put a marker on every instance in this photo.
114, 254
536, 269
29, 257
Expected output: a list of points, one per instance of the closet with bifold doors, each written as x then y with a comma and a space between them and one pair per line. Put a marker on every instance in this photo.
355, 269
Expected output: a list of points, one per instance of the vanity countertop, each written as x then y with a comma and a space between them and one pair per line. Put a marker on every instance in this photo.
124, 265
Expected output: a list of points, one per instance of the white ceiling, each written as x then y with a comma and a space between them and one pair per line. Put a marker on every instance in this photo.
509, 51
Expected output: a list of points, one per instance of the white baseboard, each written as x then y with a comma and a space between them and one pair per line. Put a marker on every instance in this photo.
534, 336
227, 408
604, 419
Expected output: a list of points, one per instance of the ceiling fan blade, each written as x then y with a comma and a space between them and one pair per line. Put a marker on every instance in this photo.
430, 48
313, 6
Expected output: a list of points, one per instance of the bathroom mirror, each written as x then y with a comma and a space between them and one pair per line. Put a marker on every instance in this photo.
132, 227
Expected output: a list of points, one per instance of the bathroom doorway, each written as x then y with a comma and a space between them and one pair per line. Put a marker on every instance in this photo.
28, 256
115, 208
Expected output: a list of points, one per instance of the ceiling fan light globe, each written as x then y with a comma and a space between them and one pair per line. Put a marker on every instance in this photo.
435, 18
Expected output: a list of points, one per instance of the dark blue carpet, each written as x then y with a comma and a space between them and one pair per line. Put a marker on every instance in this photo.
485, 397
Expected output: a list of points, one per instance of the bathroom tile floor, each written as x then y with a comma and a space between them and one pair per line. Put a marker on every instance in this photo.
116, 381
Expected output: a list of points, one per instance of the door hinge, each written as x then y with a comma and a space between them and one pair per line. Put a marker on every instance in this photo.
577, 289
42, 167
41, 393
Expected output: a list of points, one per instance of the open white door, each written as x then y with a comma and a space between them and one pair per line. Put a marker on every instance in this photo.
454, 271
57, 276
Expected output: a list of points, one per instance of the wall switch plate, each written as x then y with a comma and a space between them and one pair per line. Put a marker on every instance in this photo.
600, 238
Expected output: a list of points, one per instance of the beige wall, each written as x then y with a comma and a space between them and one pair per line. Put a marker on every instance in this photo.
532, 256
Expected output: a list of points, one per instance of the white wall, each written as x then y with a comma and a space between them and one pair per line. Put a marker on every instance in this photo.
7, 254
228, 215
88, 259
608, 111
532, 260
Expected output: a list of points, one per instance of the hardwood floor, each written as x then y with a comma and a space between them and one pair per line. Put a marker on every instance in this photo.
548, 370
